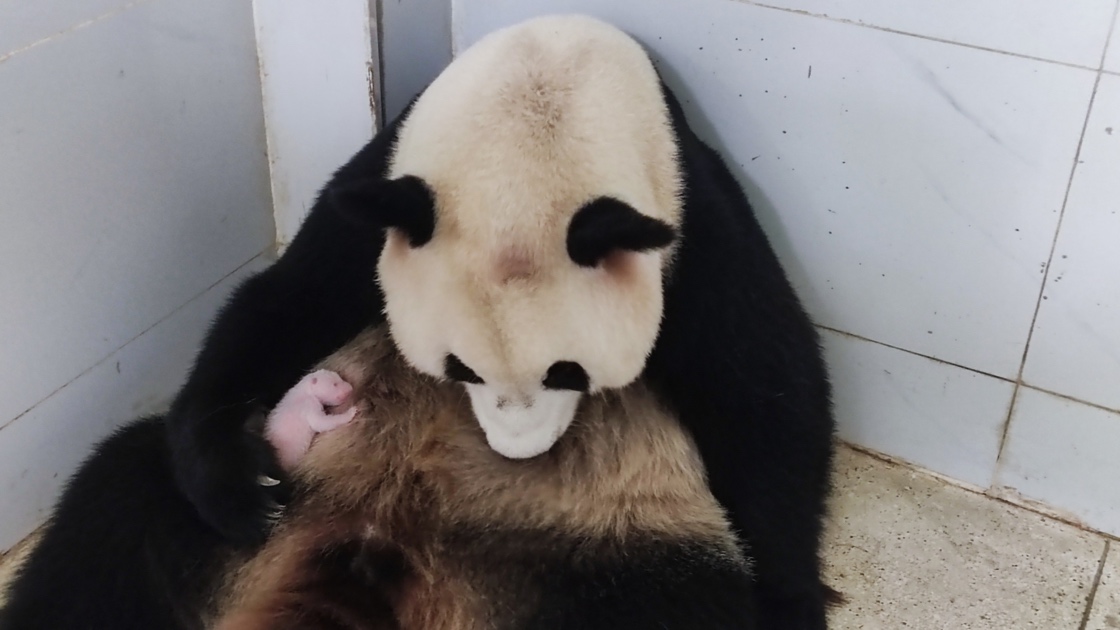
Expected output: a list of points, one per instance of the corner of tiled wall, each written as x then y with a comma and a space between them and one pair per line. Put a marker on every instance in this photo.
914, 163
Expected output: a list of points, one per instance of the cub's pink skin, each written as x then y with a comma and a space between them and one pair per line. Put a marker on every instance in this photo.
302, 413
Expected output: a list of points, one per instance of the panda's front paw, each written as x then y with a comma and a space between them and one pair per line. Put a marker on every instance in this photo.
236, 485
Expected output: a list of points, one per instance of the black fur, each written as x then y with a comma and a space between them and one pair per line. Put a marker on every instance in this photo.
740, 361
542, 580
406, 204
279, 323
124, 549
649, 584
737, 358
456, 370
567, 375
606, 225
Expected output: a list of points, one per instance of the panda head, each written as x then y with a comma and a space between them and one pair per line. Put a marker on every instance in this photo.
531, 210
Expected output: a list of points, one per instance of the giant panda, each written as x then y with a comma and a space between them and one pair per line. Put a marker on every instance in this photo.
704, 315
407, 518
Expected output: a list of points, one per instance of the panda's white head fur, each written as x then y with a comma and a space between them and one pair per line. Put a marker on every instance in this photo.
532, 205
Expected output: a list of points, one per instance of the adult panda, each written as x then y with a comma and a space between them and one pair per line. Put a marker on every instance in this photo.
542, 223
407, 518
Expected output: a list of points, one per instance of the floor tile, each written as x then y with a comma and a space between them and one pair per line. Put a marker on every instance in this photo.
1075, 348
940, 417
133, 176
909, 551
1073, 32
40, 450
1105, 614
911, 187
1063, 454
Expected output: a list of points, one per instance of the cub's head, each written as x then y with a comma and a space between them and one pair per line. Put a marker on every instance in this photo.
531, 207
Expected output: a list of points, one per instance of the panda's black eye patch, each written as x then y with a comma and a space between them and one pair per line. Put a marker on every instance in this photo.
606, 225
567, 375
456, 370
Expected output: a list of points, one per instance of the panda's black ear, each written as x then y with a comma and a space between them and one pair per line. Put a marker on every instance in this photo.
405, 203
606, 225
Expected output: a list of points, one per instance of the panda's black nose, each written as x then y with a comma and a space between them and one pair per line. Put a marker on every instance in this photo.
567, 375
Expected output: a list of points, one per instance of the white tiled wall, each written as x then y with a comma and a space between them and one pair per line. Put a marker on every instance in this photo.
911, 163
1112, 61
133, 177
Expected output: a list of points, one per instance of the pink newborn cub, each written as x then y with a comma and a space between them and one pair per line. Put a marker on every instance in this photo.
301, 414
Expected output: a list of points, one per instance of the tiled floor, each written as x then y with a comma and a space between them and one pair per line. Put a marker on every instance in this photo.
911, 551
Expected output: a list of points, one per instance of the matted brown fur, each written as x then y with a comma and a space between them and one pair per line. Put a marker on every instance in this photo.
413, 471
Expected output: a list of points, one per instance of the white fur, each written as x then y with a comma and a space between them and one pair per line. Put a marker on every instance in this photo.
513, 138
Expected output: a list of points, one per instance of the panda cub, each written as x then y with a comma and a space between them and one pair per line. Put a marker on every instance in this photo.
406, 518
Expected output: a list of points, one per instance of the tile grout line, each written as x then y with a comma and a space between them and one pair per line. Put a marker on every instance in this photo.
887, 29
914, 353
1091, 600
73, 28
105, 358
960, 366
1050, 260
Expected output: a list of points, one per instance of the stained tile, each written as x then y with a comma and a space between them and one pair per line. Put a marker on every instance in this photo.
1073, 32
941, 417
1064, 454
40, 450
134, 176
909, 551
911, 187
1105, 614
1075, 349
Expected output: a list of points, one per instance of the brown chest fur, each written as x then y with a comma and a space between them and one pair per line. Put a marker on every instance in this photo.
406, 518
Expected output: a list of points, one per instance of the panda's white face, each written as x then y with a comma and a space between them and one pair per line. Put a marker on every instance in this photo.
524, 326
534, 197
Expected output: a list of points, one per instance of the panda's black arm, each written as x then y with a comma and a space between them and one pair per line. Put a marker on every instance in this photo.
740, 361
277, 325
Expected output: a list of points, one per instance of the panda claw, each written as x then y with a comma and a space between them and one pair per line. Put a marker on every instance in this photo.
267, 481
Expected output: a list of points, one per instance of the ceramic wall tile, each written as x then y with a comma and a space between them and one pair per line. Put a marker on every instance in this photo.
1112, 61
1062, 454
33, 22
134, 175
940, 417
39, 451
1075, 348
1071, 32
912, 187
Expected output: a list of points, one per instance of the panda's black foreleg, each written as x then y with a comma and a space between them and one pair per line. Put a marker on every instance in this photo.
123, 549
278, 324
275, 327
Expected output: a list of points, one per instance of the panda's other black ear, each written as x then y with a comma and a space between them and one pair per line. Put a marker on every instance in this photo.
606, 225
405, 203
